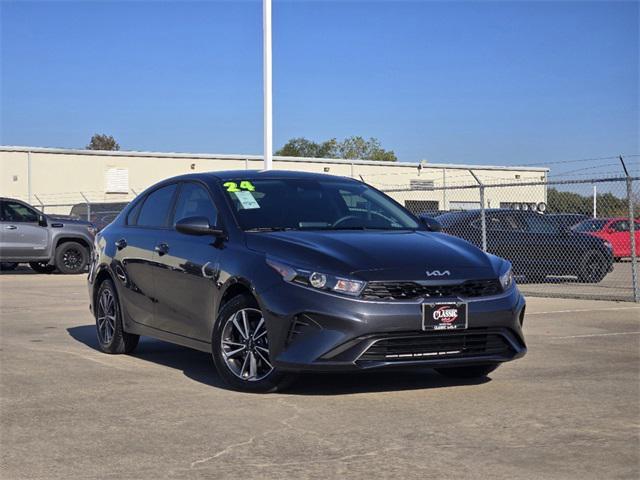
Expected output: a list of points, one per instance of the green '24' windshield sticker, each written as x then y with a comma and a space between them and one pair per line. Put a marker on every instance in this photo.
244, 185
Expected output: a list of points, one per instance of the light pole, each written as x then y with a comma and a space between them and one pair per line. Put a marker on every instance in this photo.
266, 68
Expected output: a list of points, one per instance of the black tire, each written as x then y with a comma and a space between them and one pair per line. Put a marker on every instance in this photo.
474, 371
111, 336
593, 267
42, 267
71, 257
8, 266
272, 381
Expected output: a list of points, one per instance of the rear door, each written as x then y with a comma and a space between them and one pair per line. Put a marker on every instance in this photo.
548, 247
188, 266
21, 237
136, 259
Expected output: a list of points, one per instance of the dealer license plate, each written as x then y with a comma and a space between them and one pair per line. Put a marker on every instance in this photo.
444, 316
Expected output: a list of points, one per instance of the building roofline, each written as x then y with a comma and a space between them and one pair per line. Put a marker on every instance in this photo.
210, 156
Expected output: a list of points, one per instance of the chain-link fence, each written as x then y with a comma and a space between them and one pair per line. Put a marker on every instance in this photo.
568, 238
96, 207
575, 238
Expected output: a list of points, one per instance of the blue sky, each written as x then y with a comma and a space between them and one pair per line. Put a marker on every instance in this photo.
466, 82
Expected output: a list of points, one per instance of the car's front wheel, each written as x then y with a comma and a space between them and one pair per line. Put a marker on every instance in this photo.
71, 257
111, 336
474, 371
240, 348
593, 267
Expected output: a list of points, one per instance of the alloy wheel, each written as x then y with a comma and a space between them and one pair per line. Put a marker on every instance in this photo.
244, 345
106, 317
72, 259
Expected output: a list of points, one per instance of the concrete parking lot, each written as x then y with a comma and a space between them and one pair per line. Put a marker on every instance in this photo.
569, 409
617, 285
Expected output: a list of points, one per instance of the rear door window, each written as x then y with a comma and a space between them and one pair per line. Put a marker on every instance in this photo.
157, 207
538, 224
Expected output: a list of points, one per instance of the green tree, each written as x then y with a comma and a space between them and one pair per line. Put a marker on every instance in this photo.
301, 147
359, 148
349, 148
103, 142
607, 204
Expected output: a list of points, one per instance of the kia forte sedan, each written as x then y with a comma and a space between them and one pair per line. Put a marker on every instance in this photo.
276, 273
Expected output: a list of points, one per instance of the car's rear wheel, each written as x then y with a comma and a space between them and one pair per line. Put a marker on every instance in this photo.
42, 267
593, 267
240, 348
71, 257
474, 371
111, 336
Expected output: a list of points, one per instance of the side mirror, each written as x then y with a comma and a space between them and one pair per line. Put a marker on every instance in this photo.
42, 220
432, 224
197, 226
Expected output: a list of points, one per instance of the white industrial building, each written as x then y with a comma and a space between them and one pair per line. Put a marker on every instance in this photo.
56, 179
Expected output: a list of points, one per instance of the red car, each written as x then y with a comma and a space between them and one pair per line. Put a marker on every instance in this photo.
614, 230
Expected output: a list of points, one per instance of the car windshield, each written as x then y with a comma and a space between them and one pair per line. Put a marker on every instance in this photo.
313, 204
590, 226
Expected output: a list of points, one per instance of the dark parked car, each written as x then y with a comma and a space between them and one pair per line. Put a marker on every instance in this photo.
536, 246
100, 214
566, 220
281, 272
46, 242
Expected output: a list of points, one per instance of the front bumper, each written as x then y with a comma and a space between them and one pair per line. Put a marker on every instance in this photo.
313, 331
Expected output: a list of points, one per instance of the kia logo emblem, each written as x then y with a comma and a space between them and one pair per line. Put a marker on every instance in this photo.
437, 273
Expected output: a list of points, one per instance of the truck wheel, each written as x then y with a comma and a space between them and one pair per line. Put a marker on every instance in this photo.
71, 257
42, 267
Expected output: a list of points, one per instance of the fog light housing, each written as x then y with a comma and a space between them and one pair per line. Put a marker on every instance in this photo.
318, 280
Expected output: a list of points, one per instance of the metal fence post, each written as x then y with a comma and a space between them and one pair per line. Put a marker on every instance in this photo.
40, 202
86, 200
483, 219
483, 216
632, 232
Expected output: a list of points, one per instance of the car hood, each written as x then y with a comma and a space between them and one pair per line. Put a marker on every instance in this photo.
68, 220
378, 255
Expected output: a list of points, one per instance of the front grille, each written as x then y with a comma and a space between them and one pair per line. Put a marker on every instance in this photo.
431, 346
408, 290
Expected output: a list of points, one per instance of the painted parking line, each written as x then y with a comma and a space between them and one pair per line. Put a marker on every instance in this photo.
583, 310
597, 335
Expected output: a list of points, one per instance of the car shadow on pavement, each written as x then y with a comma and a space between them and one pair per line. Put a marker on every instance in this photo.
194, 364
198, 366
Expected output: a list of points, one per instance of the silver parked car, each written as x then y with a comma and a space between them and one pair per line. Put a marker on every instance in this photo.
45, 242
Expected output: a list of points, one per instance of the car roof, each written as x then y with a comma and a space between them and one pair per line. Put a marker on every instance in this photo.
258, 174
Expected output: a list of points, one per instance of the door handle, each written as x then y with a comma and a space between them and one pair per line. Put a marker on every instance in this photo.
120, 244
161, 248
11, 227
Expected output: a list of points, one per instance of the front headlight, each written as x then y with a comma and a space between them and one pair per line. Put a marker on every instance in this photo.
506, 279
317, 280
